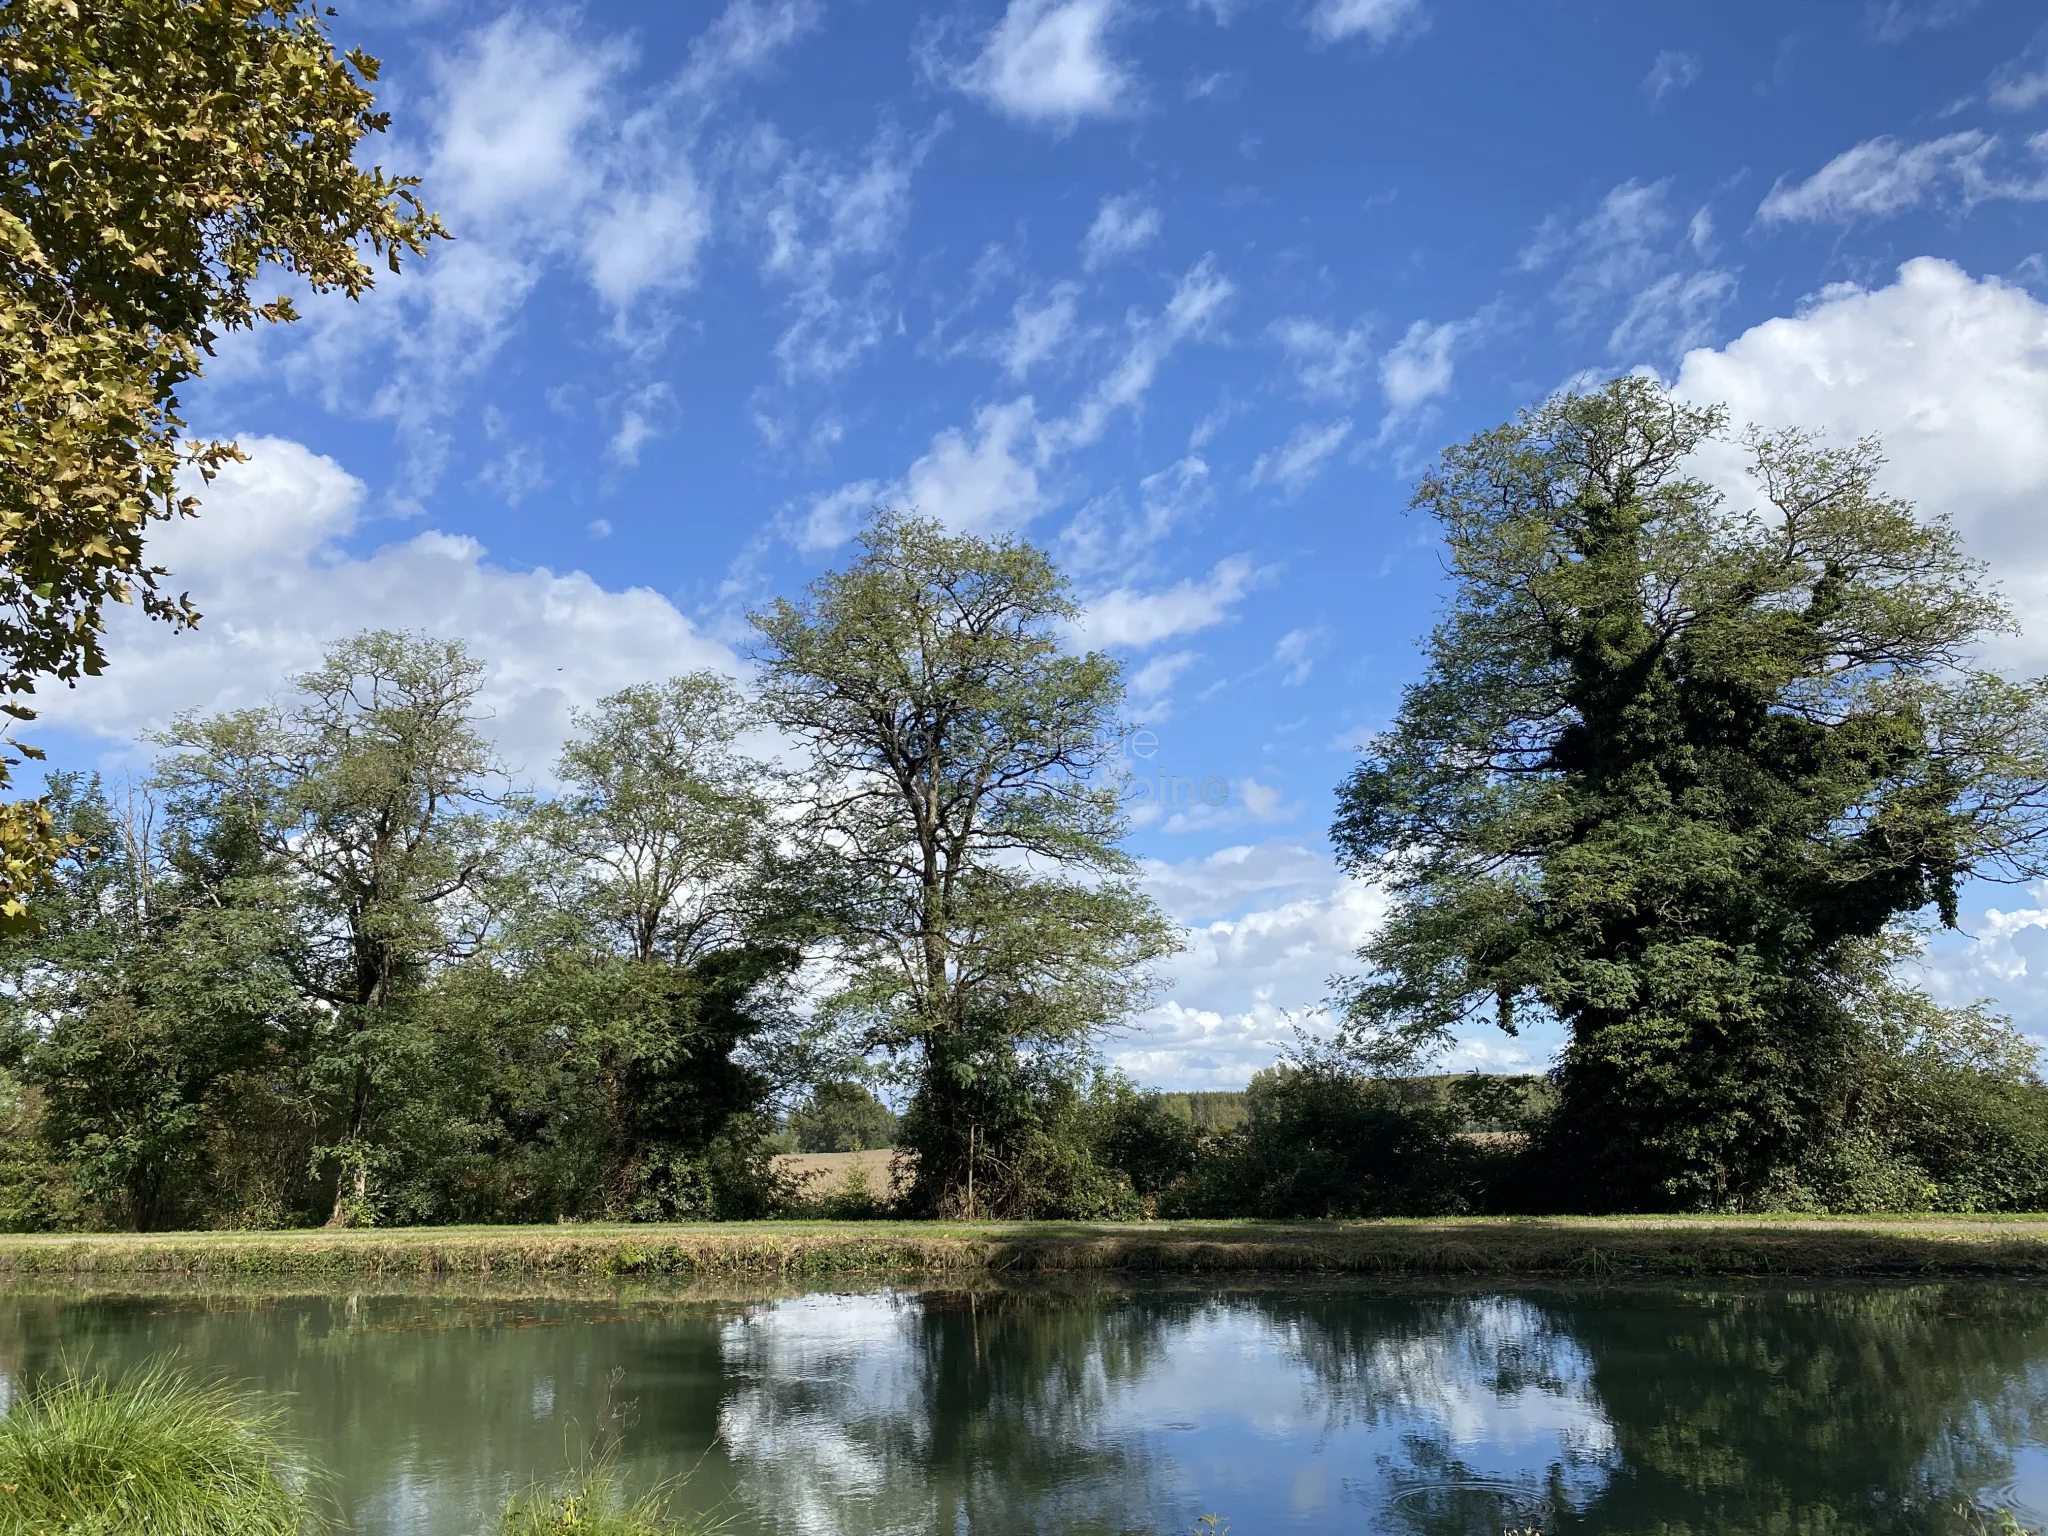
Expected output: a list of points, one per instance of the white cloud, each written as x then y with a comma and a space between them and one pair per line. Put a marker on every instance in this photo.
1631, 256
1419, 367
1379, 20
1127, 617
977, 482
2022, 83
1893, 21
1673, 71
1327, 362
1301, 458
1038, 329
1297, 651
1159, 674
1952, 372
1122, 226
515, 474
265, 563
1880, 177
1268, 924
1047, 63
540, 156
817, 218
599, 528
1105, 535
646, 416
1198, 298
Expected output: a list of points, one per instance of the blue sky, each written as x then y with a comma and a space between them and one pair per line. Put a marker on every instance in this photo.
1187, 292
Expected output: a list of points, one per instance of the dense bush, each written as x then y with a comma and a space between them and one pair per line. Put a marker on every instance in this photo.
1320, 1141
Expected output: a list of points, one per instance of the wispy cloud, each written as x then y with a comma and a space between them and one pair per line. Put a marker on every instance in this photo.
1380, 21
1301, 458
1881, 177
1672, 72
1635, 266
1327, 362
1123, 225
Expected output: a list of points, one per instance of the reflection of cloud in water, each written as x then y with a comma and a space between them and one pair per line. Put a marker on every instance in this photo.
806, 1373
842, 1406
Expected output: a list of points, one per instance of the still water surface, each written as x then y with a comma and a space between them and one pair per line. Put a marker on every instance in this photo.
1625, 1410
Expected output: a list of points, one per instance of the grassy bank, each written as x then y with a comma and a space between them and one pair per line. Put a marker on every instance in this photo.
1557, 1246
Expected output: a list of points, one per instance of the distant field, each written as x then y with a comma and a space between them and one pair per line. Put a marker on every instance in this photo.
821, 1171
1566, 1247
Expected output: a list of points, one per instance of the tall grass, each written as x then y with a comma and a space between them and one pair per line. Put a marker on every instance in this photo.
592, 1505
154, 1455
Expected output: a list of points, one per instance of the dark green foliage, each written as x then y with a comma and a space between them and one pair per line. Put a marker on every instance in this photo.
1322, 1141
842, 1117
1673, 766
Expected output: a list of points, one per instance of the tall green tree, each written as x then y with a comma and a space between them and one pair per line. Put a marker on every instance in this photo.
659, 939
369, 796
959, 798
1675, 763
148, 1006
159, 154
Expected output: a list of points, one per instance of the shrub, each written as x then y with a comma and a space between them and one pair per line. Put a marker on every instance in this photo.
1321, 1141
153, 1454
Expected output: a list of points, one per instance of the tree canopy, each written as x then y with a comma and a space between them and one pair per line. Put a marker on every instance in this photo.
958, 797
1676, 764
159, 155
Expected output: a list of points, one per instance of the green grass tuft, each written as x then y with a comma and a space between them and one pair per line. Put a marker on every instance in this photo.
155, 1455
592, 1505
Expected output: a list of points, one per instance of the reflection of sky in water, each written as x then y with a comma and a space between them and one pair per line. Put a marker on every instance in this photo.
1234, 1409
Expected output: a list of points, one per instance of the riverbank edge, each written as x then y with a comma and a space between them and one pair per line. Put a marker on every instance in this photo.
1557, 1246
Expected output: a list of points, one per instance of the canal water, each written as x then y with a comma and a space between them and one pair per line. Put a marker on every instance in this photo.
1740, 1409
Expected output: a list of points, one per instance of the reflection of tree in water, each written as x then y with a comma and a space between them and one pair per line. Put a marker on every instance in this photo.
979, 1411
1836, 1410
1833, 1412
1500, 1422
428, 1412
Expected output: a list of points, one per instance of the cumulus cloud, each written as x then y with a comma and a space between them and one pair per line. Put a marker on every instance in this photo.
1297, 462
1124, 616
1672, 72
268, 564
1952, 372
1047, 63
983, 480
1379, 21
1123, 225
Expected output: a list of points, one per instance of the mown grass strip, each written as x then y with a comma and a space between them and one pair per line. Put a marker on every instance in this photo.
1578, 1247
